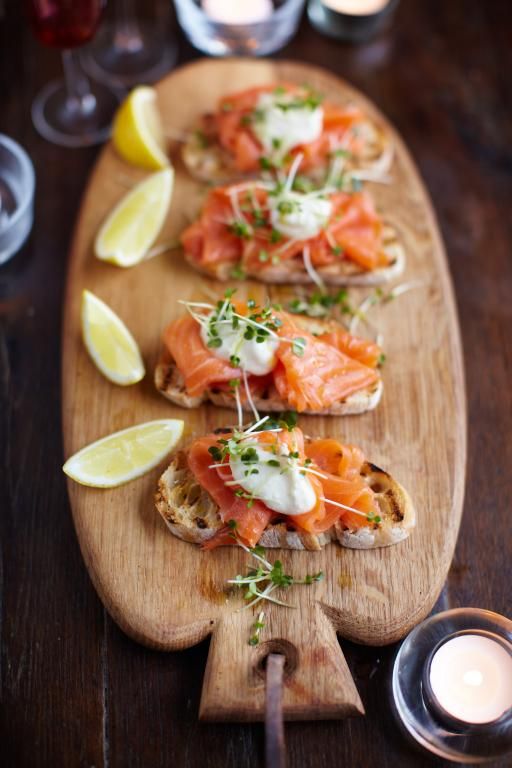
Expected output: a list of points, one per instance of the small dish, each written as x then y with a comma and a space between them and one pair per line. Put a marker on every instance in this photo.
17, 184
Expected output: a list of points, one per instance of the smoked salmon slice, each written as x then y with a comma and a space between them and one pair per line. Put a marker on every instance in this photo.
364, 351
322, 376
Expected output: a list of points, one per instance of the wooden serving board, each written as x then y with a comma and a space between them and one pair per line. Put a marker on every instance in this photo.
168, 594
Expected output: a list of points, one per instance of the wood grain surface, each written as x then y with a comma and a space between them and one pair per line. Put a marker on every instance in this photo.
74, 689
169, 594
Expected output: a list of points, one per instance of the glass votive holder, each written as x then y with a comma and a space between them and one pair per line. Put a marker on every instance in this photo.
452, 685
244, 28
351, 20
17, 184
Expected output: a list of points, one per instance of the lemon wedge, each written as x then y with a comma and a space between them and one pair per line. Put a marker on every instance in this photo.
132, 227
109, 342
137, 132
124, 455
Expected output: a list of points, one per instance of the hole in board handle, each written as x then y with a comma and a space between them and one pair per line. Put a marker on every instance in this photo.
276, 645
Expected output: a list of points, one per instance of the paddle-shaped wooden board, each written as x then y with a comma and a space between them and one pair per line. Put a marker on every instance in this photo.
168, 594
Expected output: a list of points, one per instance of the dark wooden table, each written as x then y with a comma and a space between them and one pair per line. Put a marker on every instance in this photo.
75, 690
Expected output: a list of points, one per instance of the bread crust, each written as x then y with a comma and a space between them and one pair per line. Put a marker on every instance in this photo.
191, 514
170, 383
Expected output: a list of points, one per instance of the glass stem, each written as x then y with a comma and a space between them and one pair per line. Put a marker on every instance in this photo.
79, 99
127, 36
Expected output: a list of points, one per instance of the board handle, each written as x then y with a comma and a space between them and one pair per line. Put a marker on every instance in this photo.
317, 682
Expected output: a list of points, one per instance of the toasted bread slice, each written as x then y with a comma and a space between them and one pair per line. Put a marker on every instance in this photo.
192, 515
344, 272
209, 161
170, 383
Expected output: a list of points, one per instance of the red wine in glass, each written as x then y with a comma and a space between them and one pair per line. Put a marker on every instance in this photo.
66, 24
72, 113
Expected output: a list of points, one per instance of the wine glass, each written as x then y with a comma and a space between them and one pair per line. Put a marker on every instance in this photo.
72, 112
128, 52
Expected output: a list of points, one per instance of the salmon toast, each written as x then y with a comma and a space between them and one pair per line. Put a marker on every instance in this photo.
269, 485
288, 232
240, 355
264, 128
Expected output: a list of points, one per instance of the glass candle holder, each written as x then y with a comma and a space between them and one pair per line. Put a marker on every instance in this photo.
452, 685
17, 184
244, 28
351, 20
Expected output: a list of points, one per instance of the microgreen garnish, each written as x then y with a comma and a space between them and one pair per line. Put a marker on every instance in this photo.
249, 497
302, 184
286, 420
259, 219
238, 273
310, 100
240, 229
341, 153
249, 455
257, 626
378, 296
319, 304
288, 206
216, 454
299, 346
260, 582
322, 304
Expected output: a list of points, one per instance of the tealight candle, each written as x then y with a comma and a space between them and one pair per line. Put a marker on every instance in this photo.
356, 7
471, 678
238, 11
452, 685
355, 20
